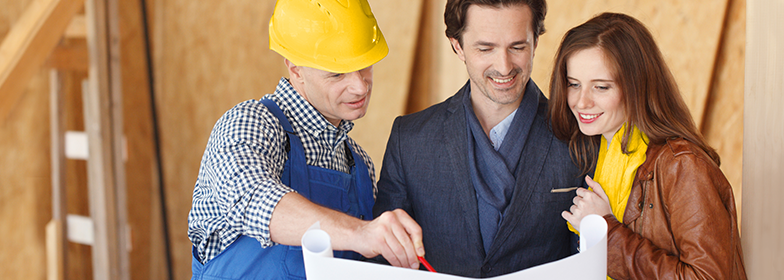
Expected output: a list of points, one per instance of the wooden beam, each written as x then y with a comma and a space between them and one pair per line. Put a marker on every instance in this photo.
55, 263
27, 45
103, 123
71, 52
77, 29
69, 55
56, 246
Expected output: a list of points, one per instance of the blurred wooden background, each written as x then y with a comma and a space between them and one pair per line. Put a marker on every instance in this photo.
211, 55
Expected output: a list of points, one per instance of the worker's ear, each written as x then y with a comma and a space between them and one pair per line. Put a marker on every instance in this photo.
295, 72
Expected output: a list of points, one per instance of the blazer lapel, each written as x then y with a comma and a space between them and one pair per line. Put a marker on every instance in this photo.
528, 173
453, 137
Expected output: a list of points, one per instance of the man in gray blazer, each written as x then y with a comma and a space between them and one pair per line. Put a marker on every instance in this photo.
481, 172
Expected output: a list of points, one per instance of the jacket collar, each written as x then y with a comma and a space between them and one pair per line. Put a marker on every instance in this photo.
644, 175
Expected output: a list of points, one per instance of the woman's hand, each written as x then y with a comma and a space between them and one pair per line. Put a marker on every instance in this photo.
587, 202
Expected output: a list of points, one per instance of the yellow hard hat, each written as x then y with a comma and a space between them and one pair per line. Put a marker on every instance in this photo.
338, 36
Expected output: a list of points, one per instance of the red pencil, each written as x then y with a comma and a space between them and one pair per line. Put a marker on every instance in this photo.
427, 265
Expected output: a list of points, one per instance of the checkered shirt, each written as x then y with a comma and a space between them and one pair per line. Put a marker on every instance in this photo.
239, 179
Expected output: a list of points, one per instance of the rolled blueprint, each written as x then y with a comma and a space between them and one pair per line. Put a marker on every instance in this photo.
590, 263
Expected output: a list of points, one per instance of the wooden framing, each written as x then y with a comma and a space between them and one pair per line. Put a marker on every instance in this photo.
103, 124
22, 53
27, 45
57, 249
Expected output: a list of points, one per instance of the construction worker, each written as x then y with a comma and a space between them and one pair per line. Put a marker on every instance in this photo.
275, 166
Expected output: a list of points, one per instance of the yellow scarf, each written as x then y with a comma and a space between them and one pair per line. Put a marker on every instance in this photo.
615, 170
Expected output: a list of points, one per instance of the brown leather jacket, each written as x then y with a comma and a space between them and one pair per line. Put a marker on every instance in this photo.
680, 222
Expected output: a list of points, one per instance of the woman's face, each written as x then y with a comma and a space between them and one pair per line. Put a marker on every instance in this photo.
593, 95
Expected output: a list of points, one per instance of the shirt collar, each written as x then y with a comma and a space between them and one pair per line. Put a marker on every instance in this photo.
527, 105
301, 112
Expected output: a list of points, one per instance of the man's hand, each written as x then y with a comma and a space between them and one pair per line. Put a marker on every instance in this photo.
395, 236
587, 202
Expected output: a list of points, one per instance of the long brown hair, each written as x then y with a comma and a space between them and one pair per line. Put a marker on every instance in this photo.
653, 101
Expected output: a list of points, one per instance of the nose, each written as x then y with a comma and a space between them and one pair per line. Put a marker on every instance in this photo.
584, 98
358, 83
504, 63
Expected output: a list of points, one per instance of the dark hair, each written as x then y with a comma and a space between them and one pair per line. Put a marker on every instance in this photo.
651, 96
455, 14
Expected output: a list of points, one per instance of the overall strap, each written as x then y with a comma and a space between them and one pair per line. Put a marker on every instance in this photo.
298, 172
363, 185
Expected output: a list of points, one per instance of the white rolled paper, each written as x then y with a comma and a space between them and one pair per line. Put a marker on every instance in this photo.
590, 263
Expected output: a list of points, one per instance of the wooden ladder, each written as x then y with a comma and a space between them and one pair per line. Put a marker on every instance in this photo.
25, 50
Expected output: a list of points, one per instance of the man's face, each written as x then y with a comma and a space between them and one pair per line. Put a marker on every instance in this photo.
336, 96
498, 50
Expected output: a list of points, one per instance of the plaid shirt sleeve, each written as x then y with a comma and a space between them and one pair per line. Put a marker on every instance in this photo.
239, 180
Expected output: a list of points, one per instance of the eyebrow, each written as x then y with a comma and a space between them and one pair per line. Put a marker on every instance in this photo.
594, 80
489, 44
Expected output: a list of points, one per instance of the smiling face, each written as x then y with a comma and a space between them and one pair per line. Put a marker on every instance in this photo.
336, 96
593, 95
498, 50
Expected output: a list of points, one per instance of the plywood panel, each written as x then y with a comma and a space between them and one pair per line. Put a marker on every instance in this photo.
438, 73
391, 76
147, 257
25, 197
763, 160
210, 55
723, 125
24, 201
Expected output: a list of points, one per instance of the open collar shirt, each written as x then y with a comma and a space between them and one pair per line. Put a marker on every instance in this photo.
239, 180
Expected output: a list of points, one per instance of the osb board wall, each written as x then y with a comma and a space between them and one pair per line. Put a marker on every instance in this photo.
20, 194
210, 55
147, 255
723, 122
763, 214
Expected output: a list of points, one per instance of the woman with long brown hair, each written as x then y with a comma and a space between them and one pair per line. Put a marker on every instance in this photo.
670, 210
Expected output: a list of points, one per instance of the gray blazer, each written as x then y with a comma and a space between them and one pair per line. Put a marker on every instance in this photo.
425, 172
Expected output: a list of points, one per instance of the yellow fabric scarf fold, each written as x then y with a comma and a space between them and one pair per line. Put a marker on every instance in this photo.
615, 170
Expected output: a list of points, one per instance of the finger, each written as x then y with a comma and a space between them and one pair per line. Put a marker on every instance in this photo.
597, 188
413, 229
407, 254
390, 252
580, 191
574, 210
566, 215
569, 217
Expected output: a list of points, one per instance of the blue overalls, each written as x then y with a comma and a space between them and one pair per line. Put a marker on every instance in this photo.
348, 193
